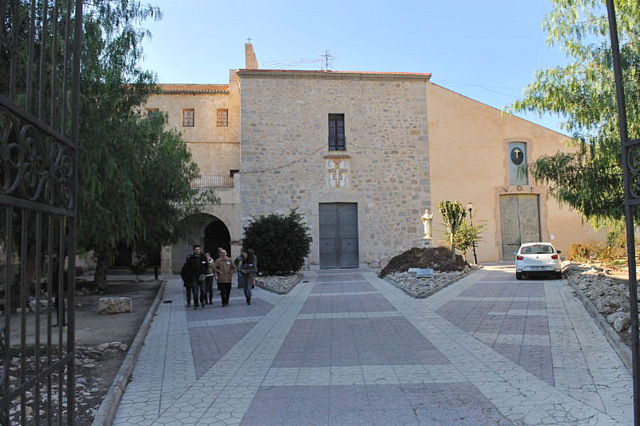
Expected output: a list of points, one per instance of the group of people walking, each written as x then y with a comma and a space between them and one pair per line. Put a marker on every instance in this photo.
200, 271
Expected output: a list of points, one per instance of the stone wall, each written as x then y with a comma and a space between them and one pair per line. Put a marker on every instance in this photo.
215, 149
286, 162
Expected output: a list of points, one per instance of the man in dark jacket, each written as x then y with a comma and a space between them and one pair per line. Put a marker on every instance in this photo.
186, 281
195, 266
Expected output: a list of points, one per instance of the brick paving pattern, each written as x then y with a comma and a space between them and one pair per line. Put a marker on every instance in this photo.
346, 348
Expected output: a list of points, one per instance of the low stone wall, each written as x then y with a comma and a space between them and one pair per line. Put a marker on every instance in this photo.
421, 288
279, 284
606, 298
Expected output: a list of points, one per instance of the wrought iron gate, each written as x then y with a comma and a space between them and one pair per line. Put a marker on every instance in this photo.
39, 81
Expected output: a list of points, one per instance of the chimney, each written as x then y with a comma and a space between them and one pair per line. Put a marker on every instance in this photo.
250, 60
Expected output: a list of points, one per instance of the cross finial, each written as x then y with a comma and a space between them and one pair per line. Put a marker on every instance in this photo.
249, 40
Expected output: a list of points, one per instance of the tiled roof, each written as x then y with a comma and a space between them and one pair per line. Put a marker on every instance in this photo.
194, 88
330, 72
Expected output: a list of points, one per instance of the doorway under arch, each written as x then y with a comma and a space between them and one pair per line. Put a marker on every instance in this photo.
205, 230
216, 234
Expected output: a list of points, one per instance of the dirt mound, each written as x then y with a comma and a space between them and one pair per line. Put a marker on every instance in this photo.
438, 258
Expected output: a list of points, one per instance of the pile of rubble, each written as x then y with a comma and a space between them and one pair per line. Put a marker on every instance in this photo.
607, 290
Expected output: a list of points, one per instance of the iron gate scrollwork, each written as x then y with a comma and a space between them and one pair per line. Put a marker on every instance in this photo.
40, 46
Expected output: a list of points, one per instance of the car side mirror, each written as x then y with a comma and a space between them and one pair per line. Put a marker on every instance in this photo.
558, 251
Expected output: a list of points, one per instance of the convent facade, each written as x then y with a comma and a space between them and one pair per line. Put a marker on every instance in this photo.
362, 155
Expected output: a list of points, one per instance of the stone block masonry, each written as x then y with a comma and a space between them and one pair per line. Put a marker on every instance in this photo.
284, 150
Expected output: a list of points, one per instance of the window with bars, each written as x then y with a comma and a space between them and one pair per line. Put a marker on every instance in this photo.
222, 117
336, 132
188, 117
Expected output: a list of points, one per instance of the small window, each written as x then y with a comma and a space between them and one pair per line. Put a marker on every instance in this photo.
152, 110
336, 132
188, 117
222, 117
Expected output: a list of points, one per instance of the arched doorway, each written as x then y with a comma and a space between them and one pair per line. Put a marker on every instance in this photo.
216, 234
206, 230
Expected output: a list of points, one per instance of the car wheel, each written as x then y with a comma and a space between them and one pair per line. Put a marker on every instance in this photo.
558, 275
518, 275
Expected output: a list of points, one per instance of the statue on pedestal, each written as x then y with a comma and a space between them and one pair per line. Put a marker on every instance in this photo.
427, 217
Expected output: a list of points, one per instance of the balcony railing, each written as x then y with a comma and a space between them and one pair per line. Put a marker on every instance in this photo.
212, 181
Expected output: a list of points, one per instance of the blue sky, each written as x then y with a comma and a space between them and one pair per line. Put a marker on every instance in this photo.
487, 50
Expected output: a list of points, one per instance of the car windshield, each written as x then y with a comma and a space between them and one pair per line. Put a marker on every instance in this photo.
537, 249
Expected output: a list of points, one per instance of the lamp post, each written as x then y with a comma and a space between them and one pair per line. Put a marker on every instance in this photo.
473, 243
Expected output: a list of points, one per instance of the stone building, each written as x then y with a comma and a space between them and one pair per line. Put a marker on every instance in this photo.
362, 155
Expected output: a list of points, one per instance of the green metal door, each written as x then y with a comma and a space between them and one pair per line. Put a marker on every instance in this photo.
338, 235
520, 220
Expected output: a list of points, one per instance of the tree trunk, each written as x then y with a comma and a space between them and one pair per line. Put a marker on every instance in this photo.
453, 247
102, 266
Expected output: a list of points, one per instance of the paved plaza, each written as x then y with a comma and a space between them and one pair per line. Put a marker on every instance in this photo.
347, 348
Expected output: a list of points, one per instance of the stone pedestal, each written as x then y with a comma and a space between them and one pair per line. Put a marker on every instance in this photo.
424, 243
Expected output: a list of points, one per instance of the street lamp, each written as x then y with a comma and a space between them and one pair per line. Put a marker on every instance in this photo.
473, 243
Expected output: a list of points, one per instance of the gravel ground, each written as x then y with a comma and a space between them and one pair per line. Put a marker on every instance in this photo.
90, 384
102, 342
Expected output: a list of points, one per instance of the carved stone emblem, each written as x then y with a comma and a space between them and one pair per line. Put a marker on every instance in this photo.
337, 173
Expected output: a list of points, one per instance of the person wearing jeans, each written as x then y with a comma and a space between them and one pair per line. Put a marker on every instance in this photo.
208, 283
196, 265
224, 269
249, 271
238, 263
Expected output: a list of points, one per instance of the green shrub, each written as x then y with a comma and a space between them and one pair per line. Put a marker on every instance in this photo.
580, 252
616, 238
281, 242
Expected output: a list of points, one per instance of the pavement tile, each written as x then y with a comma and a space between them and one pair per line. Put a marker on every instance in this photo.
350, 349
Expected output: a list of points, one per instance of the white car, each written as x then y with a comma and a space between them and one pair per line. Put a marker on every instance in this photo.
538, 259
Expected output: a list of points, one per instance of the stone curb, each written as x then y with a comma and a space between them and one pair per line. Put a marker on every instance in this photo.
623, 351
273, 290
109, 406
433, 291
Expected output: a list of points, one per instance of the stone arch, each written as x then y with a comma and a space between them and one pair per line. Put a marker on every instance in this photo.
205, 229
216, 234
